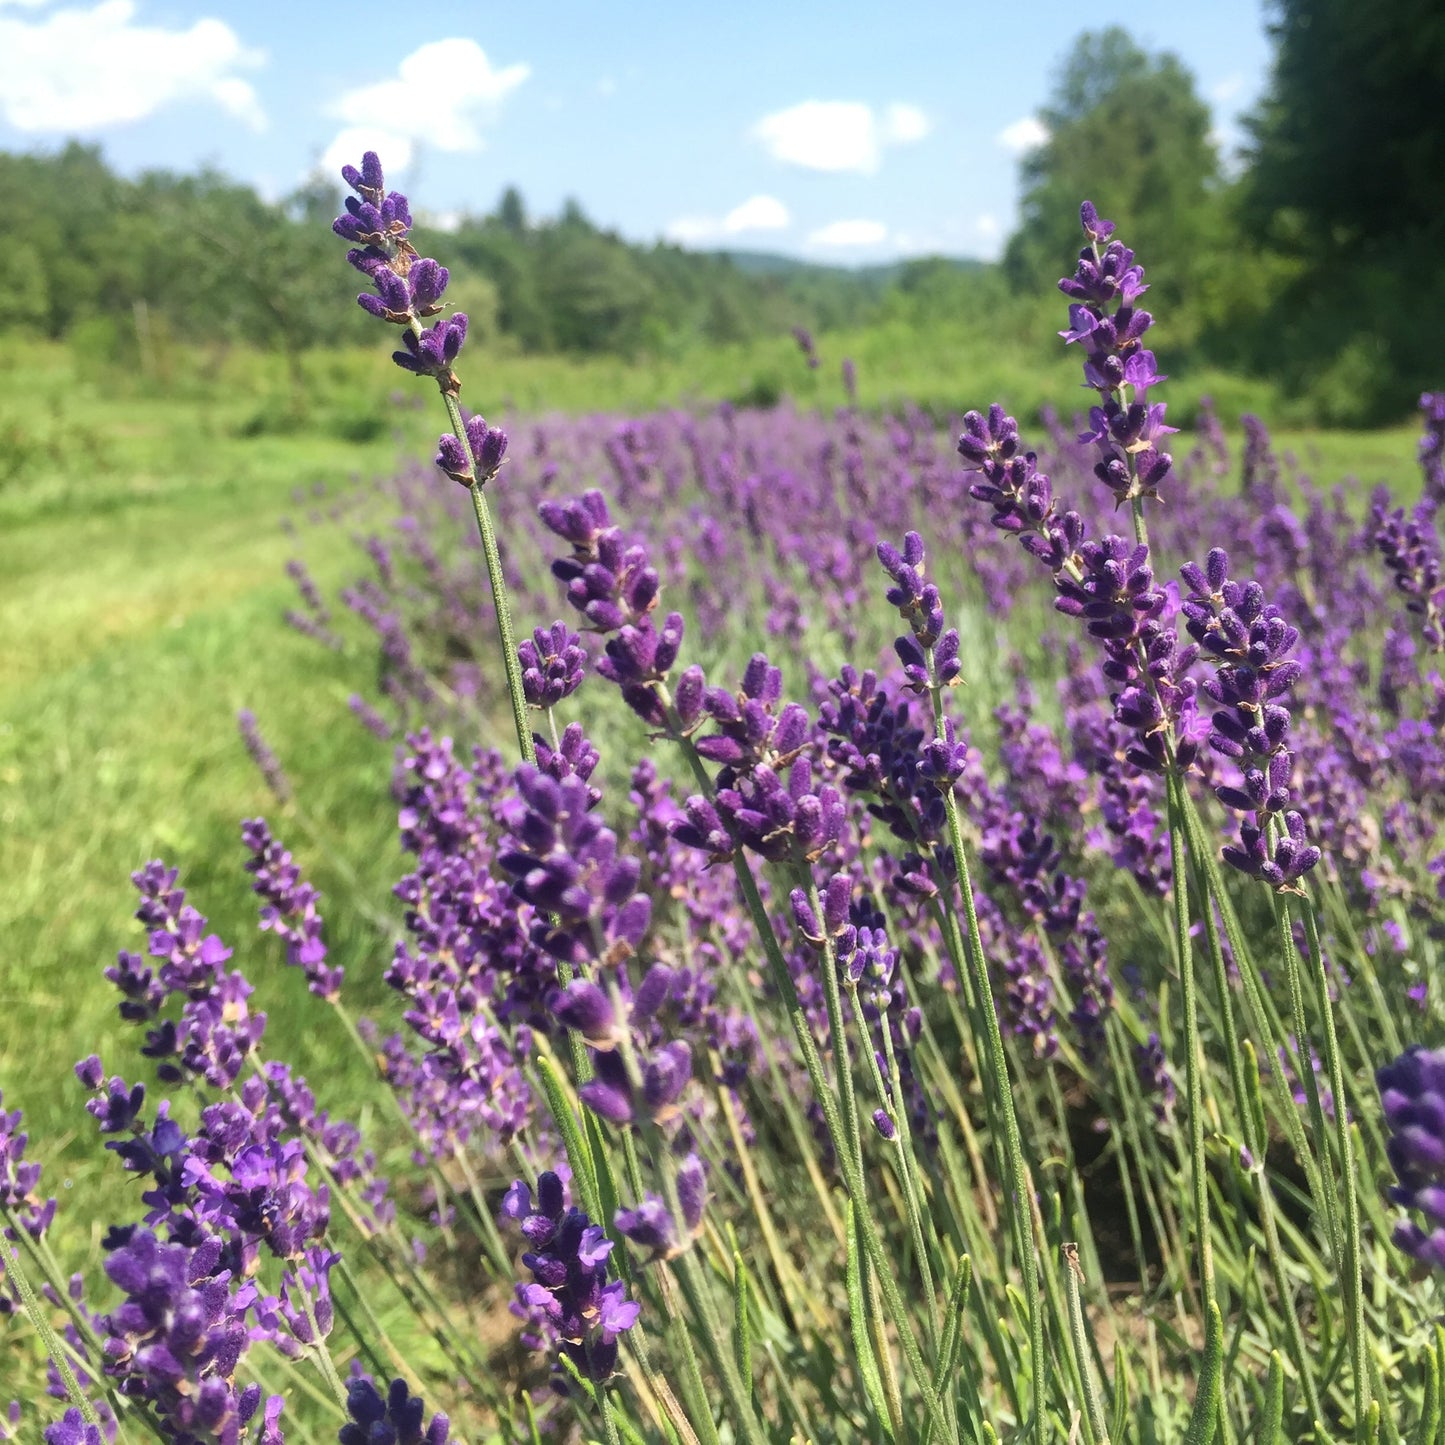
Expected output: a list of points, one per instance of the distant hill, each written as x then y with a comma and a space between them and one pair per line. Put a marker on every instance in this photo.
769, 263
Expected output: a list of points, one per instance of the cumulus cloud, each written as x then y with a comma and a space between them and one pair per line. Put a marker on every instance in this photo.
904, 124
757, 213
439, 94
1026, 134
838, 135
83, 69
843, 234
1223, 91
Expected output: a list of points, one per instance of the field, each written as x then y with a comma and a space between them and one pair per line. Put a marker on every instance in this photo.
143, 558
145, 528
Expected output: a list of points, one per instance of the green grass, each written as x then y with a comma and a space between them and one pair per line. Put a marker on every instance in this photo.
141, 589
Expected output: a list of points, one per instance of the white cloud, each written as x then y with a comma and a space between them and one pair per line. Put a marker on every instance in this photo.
1223, 91
757, 213
904, 124
987, 227
838, 135
438, 94
78, 70
1026, 134
849, 233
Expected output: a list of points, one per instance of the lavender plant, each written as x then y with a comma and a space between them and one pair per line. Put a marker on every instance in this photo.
787, 1020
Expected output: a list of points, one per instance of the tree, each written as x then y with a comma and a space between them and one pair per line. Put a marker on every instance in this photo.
1127, 131
1351, 133
1344, 186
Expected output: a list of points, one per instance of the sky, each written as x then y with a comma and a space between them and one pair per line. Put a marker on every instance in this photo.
825, 131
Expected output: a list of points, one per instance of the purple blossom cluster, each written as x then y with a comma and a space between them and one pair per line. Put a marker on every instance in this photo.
1104, 319
1412, 1095
289, 908
407, 290
472, 977
1432, 447
1251, 644
1411, 553
570, 1296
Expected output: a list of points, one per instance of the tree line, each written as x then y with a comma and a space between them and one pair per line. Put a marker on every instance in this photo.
1317, 259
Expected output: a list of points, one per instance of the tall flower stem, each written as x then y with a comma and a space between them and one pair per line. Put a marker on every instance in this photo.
1016, 1173
15, 1268
1193, 1078
852, 1172
1256, 1146
1359, 1343
501, 603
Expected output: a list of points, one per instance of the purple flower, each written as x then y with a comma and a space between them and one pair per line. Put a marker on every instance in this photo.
612, 1095
72, 1430
262, 756
1103, 318
395, 1418
1412, 1093
1412, 554
20, 1181
553, 665
487, 444
566, 864
651, 1225
179, 1336
570, 1300
1432, 446
432, 352
289, 908
1251, 643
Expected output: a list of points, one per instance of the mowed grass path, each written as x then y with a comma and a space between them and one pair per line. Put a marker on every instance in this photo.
141, 590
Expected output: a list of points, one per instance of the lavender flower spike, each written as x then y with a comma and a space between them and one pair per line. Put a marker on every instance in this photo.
570, 1299
1412, 1092
393, 1419
1103, 317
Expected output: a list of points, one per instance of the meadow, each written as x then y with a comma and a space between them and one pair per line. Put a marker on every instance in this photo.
881, 1214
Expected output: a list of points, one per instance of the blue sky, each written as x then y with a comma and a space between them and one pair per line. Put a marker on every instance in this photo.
820, 130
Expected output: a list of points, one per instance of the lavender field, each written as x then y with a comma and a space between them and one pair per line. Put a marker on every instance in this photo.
900, 932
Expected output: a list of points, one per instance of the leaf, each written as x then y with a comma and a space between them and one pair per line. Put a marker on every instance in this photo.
858, 1323
1271, 1422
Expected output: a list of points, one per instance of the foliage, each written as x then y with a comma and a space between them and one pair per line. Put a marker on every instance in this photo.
1342, 183
832, 1062
1127, 128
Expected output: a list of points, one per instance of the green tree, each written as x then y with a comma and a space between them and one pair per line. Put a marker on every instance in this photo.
1127, 131
1351, 133
1344, 193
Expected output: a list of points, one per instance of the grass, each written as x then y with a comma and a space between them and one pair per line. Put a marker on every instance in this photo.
142, 561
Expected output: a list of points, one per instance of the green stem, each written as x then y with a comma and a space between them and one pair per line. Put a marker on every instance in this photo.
1359, 1344
1194, 1081
1001, 1086
1256, 1145
53, 1346
497, 579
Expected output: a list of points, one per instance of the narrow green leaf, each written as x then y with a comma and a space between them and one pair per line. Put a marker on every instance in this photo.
858, 1323
1204, 1417
952, 1338
1271, 1422
1119, 1413
579, 1156
742, 1324
1428, 1432
604, 1181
